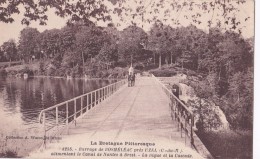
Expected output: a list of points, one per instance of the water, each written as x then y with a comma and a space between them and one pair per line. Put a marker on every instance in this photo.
21, 100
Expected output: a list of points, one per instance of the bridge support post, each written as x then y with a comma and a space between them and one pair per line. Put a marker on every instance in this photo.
185, 128
95, 98
181, 130
81, 106
87, 103
107, 91
57, 119
44, 130
175, 109
91, 99
178, 117
99, 96
191, 131
105, 96
75, 111
103, 93
113, 89
67, 118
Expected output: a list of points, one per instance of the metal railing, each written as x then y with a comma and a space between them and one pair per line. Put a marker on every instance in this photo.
62, 114
181, 113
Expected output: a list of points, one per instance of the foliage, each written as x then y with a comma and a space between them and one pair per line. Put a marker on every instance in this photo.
67, 38
37, 10
228, 144
107, 53
129, 44
9, 51
70, 59
239, 99
26, 70
2, 72
163, 73
41, 68
157, 40
8, 154
207, 118
28, 43
49, 44
89, 41
221, 13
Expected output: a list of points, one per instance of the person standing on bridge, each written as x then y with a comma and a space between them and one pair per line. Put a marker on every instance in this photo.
130, 76
131, 70
175, 90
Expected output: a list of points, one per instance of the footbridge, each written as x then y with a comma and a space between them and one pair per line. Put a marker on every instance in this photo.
147, 112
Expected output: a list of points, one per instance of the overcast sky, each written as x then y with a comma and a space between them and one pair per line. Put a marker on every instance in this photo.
12, 31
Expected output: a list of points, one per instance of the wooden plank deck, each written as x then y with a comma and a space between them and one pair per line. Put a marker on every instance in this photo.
139, 113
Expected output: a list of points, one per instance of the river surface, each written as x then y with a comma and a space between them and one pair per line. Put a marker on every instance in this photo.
21, 100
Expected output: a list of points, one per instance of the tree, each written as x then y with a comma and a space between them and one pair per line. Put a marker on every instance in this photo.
67, 38
172, 44
88, 42
192, 46
2, 58
158, 40
49, 43
9, 50
28, 43
240, 100
70, 59
108, 54
202, 104
129, 46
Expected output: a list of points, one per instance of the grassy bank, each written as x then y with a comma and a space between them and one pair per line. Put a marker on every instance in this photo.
228, 144
19, 147
171, 70
43, 69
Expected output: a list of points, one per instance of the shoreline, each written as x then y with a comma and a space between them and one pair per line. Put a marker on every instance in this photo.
60, 77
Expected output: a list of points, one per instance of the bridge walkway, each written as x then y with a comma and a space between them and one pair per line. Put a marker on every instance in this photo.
139, 113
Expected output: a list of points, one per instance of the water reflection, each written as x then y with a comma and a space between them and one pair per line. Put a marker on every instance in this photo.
21, 100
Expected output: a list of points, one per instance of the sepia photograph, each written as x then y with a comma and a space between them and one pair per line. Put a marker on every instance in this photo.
127, 79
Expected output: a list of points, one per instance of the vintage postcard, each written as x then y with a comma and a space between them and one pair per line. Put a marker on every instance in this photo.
127, 79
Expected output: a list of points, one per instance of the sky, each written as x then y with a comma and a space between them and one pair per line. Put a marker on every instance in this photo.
12, 31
